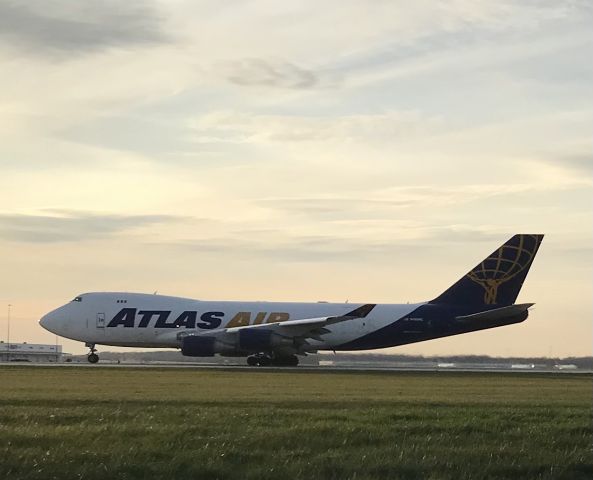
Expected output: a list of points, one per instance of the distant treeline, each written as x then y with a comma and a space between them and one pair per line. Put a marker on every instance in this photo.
349, 358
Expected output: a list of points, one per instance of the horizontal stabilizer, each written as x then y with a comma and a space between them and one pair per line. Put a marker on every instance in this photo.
497, 313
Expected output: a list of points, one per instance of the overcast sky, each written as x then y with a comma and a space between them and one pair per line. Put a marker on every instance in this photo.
299, 151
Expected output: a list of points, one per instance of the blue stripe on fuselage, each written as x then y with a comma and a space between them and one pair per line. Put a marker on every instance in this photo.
425, 323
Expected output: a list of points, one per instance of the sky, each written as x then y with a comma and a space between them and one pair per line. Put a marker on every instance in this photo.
297, 151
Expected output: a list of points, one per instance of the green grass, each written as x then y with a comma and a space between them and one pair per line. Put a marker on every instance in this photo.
118, 423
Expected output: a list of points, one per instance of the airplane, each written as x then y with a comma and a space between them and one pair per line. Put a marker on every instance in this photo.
276, 334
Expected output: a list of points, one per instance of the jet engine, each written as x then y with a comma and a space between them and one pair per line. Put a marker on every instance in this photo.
246, 341
203, 346
261, 339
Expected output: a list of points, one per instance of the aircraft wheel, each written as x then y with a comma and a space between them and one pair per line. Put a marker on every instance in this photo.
264, 361
252, 361
93, 358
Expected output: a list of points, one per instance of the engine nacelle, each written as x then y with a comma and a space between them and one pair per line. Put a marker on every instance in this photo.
261, 339
203, 346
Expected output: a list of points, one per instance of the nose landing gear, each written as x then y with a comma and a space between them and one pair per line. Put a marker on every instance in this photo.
92, 357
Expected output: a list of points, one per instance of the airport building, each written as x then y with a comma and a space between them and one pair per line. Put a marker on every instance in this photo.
30, 352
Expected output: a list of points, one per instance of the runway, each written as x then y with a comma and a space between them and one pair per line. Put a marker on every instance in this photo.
302, 368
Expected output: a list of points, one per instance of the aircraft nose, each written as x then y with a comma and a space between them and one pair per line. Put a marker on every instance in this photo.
51, 321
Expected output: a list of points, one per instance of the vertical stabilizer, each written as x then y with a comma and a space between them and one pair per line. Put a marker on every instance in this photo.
498, 279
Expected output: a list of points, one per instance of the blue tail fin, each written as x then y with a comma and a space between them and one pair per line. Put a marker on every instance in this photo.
498, 278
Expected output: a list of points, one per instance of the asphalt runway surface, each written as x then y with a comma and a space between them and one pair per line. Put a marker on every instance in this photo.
302, 368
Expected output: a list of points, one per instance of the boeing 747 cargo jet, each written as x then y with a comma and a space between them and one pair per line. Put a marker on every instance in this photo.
271, 333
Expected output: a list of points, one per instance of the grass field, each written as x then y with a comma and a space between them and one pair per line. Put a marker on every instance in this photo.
117, 423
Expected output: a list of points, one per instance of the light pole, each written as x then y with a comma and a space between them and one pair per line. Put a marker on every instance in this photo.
8, 334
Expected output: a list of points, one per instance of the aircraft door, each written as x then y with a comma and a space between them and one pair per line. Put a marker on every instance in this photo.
100, 320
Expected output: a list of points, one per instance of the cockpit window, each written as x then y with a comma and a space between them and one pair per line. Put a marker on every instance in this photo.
77, 299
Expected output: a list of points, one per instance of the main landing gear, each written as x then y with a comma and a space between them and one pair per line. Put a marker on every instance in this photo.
266, 360
92, 356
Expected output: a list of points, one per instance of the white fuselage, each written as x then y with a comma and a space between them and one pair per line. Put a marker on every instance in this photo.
142, 320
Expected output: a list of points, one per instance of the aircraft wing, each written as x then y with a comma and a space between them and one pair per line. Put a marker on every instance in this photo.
304, 325
295, 332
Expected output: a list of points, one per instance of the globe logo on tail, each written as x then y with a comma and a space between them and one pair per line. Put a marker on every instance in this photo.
503, 265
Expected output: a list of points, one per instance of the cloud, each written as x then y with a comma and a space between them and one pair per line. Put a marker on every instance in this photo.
61, 29
141, 134
258, 72
297, 248
582, 163
71, 226
335, 207
357, 242
387, 204
232, 126
523, 39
